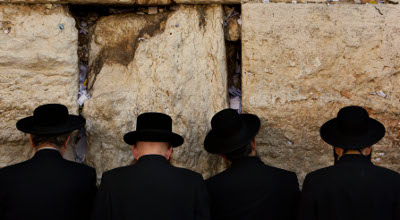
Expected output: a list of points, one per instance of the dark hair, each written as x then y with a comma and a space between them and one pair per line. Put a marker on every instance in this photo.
240, 153
57, 140
336, 157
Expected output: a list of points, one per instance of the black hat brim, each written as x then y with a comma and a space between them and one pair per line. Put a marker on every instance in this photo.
153, 135
331, 134
220, 145
72, 123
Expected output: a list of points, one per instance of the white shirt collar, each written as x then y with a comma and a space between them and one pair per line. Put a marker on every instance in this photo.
49, 148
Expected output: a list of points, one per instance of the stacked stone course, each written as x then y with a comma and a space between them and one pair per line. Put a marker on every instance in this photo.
301, 64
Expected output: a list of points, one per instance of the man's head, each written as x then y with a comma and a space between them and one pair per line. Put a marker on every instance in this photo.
59, 142
153, 135
50, 126
142, 148
232, 134
352, 132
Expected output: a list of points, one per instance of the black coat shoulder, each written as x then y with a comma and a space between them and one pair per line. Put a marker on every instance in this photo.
125, 170
154, 189
81, 167
388, 172
256, 170
11, 168
116, 171
351, 185
55, 180
64, 163
190, 173
135, 171
335, 172
322, 172
281, 172
250, 189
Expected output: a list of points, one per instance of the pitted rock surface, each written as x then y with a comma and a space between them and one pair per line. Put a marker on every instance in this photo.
302, 63
38, 65
171, 62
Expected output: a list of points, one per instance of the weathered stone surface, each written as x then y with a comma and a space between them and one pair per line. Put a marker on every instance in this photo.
154, 2
302, 63
169, 62
294, 1
30, 1
38, 65
122, 2
35, 1
208, 1
137, 2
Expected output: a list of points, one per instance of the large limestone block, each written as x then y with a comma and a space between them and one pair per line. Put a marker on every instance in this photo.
123, 2
117, 2
32, 1
208, 1
169, 62
297, 1
302, 63
38, 65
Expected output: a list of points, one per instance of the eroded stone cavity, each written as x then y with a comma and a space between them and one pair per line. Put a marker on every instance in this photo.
169, 62
38, 65
302, 63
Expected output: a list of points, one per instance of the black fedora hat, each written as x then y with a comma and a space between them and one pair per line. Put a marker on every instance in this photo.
50, 119
352, 129
230, 131
154, 127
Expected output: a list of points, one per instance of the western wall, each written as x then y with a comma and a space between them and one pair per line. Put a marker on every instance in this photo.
299, 63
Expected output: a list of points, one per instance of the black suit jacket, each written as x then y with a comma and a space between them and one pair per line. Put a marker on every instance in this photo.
47, 187
353, 189
151, 189
254, 191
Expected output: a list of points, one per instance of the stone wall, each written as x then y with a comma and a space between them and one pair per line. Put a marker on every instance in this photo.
107, 2
172, 62
301, 64
126, 2
38, 65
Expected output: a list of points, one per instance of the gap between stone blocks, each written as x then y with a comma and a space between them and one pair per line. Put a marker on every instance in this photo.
86, 17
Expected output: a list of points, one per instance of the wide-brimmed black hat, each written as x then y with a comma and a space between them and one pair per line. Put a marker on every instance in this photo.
153, 127
352, 129
50, 119
230, 131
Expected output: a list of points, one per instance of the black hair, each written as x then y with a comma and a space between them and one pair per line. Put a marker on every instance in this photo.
57, 140
240, 153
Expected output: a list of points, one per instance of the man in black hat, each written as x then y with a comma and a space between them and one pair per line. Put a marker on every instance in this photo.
152, 188
48, 187
249, 189
354, 188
